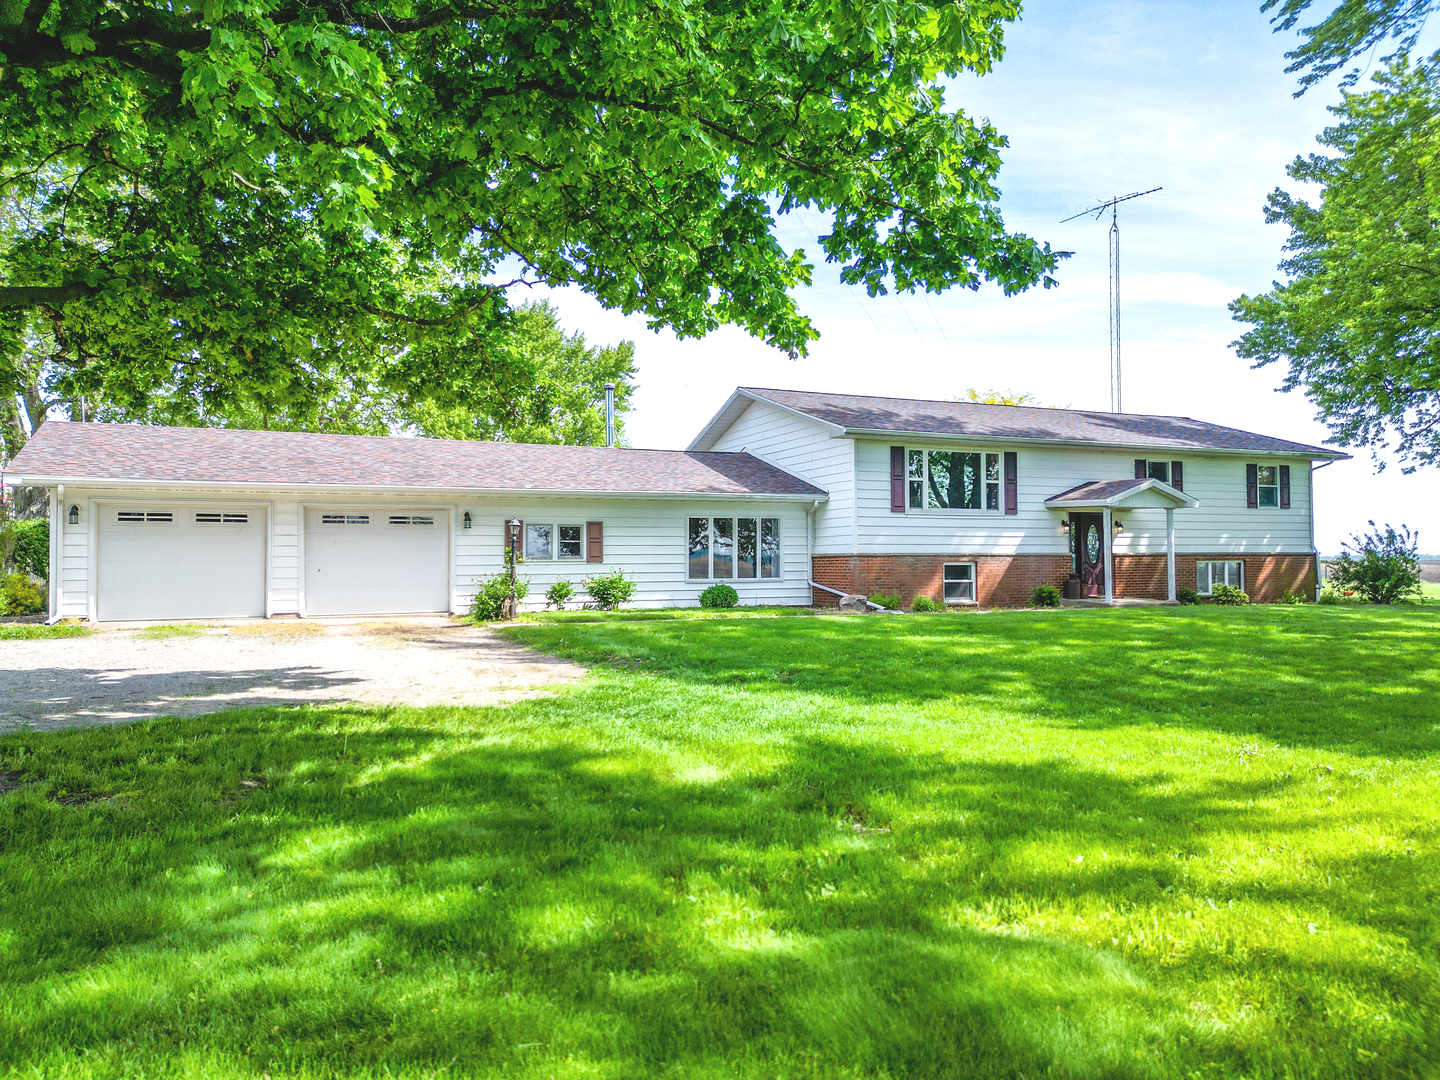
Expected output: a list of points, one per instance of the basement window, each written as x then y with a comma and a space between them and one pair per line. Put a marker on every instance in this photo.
344, 519
1209, 574
206, 517
145, 517
960, 583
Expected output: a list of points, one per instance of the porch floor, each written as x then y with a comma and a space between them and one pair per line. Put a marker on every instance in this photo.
1119, 601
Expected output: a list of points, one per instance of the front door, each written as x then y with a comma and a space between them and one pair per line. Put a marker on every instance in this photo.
1087, 532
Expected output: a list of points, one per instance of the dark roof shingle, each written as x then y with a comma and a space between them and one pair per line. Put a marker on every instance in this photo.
858, 413
99, 452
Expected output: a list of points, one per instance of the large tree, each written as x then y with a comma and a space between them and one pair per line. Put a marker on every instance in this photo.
1351, 28
1358, 320
245, 182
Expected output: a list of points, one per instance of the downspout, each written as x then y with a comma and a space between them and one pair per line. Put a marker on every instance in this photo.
1310, 512
868, 602
57, 540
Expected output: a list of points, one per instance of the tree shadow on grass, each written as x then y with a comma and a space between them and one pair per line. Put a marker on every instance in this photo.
403, 895
1365, 681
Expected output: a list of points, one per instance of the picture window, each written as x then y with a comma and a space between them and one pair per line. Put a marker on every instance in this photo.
952, 480
726, 548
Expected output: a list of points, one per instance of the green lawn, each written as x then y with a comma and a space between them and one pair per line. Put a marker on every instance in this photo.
1111, 844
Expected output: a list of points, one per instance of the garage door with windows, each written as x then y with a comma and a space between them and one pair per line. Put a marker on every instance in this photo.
159, 561
376, 562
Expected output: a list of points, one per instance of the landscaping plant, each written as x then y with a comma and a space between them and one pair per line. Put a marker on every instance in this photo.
924, 603
559, 594
1045, 596
719, 595
888, 601
1228, 596
1187, 596
610, 590
19, 595
1381, 565
491, 595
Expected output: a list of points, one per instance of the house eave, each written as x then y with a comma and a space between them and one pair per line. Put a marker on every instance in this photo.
1314, 453
722, 421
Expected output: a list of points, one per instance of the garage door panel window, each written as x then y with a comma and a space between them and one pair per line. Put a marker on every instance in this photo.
732, 548
206, 517
344, 519
145, 517
412, 519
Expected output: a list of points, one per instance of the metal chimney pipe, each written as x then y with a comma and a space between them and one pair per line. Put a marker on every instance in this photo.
609, 414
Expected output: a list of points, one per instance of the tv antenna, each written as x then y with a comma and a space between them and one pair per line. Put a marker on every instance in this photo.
1099, 211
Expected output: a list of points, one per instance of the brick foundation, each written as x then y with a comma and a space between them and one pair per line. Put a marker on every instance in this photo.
1008, 580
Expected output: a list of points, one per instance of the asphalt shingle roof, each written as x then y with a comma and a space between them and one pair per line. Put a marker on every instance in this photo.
1096, 490
99, 452
857, 413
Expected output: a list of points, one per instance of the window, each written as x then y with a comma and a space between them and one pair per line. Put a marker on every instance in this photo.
1158, 470
412, 519
145, 517
204, 517
344, 519
960, 583
1209, 574
554, 542
952, 480
1268, 477
728, 548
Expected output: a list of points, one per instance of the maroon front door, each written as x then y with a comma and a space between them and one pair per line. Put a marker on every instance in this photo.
1087, 532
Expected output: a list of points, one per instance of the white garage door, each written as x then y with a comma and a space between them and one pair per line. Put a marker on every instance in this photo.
159, 561
376, 562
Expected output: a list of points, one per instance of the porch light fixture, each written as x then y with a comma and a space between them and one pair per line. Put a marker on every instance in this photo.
465, 521
1119, 527
74, 516
1065, 526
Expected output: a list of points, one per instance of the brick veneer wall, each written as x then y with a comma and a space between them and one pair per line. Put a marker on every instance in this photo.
1008, 580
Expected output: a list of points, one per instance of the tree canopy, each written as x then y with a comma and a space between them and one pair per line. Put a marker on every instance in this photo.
1352, 27
1358, 321
253, 195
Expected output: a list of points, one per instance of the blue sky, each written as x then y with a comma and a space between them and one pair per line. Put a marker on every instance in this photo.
1097, 99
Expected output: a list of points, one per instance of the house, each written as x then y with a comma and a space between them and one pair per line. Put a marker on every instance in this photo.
791, 497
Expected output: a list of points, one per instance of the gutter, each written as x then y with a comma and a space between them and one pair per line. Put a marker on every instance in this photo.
1313, 453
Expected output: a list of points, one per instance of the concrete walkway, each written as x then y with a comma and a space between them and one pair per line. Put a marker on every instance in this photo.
129, 674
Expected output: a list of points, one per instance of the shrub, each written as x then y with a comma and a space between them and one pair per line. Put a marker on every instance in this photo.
559, 594
888, 601
719, 596
1289, 597
26, 546
1229, 596
924, 603
1381, 565
1187, 596
1329, 596
19, 595
1045, 596
610, 590
491, 595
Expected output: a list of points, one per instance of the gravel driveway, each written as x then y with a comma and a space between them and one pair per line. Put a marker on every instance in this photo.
119, 675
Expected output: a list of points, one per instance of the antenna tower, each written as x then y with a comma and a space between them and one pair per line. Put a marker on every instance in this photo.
1099, 211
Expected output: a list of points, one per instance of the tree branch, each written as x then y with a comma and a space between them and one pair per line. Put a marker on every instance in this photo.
13, 297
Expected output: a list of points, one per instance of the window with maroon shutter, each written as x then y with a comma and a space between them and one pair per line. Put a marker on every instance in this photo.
1177, 475
897, 479
1284, 487
594, 541
1252, 486
1140, 472
1012, 482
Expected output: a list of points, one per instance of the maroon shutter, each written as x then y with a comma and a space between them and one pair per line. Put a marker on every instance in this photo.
897, 479
1284, 487
1012, 484
594, 541
1177, 475
1252, 486
1139, 468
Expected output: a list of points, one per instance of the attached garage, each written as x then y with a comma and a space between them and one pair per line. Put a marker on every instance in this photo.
177, 561
368, 561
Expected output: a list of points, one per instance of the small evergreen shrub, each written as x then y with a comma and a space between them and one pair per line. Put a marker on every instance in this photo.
924, 603
719, 596
1381, 565
1045, 596
1228, 596
491, 595
1187, 596
19, 595
610, 590
888, 601
559, 594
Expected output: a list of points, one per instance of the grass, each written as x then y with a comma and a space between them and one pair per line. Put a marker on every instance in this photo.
173, 630
33, 631
1151, 843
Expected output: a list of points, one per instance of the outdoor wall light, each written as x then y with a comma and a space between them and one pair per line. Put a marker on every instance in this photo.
465, 521
514, 526
1065, 526
1119, 527
74, 516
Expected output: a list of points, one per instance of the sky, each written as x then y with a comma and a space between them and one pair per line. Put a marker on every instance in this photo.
1097, 99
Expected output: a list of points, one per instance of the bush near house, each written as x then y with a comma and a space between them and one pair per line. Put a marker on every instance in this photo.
28, 544
491, 595
1228, 596
610, 590
924, 603
20, 595
559, 594
1045, 596
1382, 565
1187, 596
719, 595
888, 601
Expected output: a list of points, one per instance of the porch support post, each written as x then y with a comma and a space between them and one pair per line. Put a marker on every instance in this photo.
1170, 552
1109, 558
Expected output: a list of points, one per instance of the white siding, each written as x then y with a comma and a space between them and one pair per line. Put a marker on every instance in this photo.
1221, 524
805, 449
285, 555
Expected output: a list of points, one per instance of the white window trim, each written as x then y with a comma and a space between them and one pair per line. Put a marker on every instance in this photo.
555, 527
1260, 503
1217, 562
974, 583
759, 520
1167, 462
985, 482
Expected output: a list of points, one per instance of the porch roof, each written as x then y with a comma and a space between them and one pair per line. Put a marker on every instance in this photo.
1121, 494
